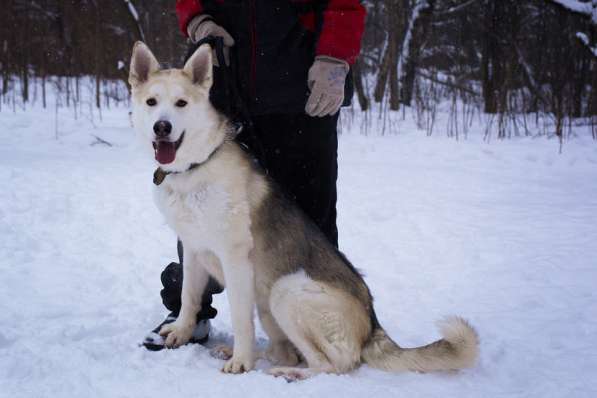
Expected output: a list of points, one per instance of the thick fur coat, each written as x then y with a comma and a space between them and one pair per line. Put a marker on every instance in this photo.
238, 227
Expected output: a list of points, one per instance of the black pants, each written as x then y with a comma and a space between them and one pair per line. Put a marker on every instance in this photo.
300, 153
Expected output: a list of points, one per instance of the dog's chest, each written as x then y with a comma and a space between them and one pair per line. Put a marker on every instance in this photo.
199, 213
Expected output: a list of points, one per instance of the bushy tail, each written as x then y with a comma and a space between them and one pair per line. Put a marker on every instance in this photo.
458, 349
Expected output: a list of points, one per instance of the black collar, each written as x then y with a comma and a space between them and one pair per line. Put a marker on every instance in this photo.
159, 175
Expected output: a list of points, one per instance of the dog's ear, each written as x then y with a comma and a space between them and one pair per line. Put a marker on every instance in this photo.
199, 67
143, 64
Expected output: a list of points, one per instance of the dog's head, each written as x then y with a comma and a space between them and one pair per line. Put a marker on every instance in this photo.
171, 110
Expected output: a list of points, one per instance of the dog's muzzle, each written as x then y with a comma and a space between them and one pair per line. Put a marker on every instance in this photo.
165, 150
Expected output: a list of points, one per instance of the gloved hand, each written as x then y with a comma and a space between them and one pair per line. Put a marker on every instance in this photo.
326, 82
202, 26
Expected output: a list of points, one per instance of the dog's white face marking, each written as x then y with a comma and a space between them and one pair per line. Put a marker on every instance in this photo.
171, 107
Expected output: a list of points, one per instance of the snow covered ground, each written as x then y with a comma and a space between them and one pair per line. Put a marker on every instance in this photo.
504, 234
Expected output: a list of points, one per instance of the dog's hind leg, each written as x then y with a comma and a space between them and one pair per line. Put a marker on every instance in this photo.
281, 351
328, 326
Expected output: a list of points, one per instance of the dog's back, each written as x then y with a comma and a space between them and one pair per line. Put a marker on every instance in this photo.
315, 283
237, 225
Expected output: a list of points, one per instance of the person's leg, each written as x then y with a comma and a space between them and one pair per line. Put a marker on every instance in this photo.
172, 287
213, 287
171, 278
300, 154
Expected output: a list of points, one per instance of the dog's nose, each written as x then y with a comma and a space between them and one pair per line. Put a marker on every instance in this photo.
162, 128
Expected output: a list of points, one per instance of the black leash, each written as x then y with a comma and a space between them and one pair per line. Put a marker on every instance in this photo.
225, 94
226, 97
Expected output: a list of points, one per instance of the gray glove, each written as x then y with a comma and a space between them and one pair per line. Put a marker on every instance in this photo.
202, 26
326, 82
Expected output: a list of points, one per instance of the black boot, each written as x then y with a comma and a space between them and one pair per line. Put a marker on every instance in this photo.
172, 282
154, 342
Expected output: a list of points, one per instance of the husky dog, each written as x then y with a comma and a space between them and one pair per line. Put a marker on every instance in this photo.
238, 227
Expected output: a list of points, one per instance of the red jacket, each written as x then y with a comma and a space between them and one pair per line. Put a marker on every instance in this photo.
340, 31
276, 42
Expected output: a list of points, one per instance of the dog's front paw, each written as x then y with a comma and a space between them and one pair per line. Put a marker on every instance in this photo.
239, 364
177, 333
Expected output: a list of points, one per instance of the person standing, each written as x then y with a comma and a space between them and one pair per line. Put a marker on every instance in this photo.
292, 60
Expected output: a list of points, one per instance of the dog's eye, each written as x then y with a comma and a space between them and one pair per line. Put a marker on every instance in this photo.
181, 103
151, 102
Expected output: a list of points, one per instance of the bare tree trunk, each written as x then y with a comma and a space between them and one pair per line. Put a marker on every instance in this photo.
490, 63
397, 13
383, 72
593, 96
25, 80
414, 40
98, 40
579, 87
43, 83
389, 64
393, 70
357, 75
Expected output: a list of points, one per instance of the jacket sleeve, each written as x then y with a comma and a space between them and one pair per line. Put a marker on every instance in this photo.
343, 24
187, 10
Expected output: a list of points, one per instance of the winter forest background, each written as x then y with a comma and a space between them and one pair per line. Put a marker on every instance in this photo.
466, 185
530, 67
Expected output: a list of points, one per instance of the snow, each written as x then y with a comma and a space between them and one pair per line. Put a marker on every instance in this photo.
502, 233
587, 7
132, 10
585, 40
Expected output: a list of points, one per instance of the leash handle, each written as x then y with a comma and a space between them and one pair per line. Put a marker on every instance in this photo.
226, 95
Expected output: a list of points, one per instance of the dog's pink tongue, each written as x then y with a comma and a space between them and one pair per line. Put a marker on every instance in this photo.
165, 152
